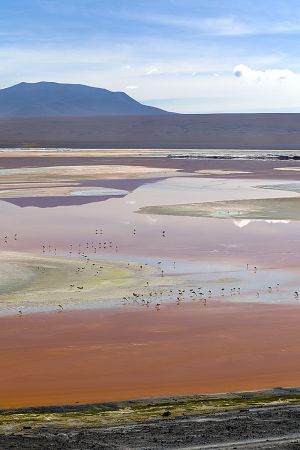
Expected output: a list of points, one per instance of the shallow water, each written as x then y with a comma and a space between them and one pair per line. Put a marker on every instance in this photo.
110, 355
238, 331
209, 253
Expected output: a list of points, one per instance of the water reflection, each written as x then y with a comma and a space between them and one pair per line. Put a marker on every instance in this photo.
244, 222
210, 253
100, 190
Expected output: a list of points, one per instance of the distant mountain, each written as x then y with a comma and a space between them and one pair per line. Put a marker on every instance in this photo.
45, 99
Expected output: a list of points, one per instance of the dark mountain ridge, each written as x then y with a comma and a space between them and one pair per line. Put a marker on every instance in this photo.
47, 99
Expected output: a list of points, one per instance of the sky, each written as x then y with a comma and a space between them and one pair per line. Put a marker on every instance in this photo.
188, 56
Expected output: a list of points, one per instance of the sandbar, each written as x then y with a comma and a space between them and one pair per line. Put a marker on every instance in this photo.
260, 209
60, 191
221, 172
81, 172
59, 181
31, 282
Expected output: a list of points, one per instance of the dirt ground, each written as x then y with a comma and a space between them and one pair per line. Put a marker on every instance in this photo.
250, 131
269, 427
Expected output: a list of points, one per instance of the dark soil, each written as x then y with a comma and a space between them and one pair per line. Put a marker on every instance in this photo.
272, 427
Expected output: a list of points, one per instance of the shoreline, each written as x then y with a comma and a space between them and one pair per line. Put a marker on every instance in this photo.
182, 153
255, 395
60, 424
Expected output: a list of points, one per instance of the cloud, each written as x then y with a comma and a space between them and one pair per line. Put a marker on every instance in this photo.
152, 70
245, 72
217, 26
224, 25
213, 26
132, 87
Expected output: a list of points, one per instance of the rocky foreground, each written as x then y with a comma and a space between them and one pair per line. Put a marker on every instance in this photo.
232, 423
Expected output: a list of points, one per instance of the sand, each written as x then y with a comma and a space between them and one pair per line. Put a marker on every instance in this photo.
54, 191
239, 168
82, 172
36, 181
29, 282
289, 187
257, 209
294, 168
110, 355
221, 172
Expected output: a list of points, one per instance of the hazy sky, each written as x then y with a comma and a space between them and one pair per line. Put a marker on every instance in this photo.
182, 55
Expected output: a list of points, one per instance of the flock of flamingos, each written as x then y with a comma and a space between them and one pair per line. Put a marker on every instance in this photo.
147, 297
